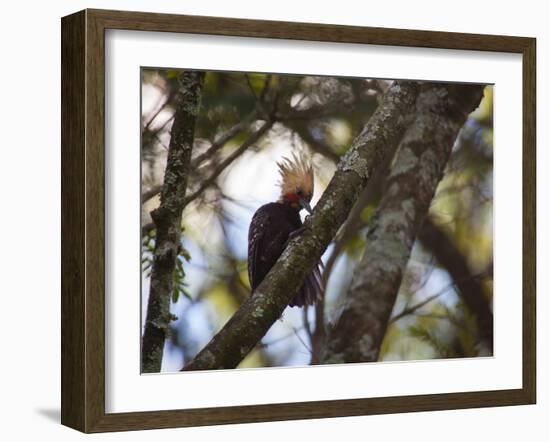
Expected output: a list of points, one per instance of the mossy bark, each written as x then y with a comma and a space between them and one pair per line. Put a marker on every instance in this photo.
167, 220
249, 324
441, 110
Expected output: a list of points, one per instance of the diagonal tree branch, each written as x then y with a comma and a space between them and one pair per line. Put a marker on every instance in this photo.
220, 142
418, 166
317, 146
256, 315
469, 287
252, 139
414, 308
167, 219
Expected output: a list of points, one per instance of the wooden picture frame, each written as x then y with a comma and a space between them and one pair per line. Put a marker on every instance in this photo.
83, 220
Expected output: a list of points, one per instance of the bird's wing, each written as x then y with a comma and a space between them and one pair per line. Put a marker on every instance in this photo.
256, 234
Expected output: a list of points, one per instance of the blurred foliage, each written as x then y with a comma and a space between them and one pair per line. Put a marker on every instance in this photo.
180, 286
319, 115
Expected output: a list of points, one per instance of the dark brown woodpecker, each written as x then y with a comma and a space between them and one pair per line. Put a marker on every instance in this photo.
274, 224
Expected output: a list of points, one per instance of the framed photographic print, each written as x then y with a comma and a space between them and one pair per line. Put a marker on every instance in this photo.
270, 220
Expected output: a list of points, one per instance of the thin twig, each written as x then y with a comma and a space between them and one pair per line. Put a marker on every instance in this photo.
214, 147
260, 101
295, 330
253, 138
249, 83
315, 145
169, 98
307, 325
413, 308
223, 139
274, 341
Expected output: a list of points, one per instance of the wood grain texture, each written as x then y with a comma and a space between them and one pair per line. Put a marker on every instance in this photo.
95, 222
72, 221
145, 21
83, 218
529, 220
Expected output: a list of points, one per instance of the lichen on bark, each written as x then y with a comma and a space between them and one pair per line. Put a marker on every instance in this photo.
441, 110
167, 219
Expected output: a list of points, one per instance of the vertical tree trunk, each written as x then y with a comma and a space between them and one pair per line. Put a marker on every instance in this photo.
167, 219
441, 110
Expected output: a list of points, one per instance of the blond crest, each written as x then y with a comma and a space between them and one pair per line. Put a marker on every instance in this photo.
296, 175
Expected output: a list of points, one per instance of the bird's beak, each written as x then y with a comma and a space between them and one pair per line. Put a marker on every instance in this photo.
305, 205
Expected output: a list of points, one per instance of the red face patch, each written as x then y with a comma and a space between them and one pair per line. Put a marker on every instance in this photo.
291, 197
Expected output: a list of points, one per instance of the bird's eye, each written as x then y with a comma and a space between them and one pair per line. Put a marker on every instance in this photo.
299, 192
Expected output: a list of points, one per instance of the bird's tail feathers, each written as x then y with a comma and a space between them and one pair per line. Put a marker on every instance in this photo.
312, 289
